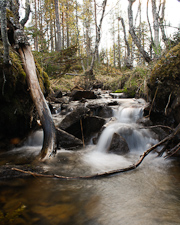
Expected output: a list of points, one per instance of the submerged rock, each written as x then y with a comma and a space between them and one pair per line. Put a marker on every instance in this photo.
118, 145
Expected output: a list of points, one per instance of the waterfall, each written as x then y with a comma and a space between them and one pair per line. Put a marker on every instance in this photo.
137, 138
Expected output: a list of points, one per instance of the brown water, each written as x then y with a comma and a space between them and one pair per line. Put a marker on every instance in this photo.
149, 195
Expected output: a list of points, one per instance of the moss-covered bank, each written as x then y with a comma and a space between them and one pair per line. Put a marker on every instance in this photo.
17, 111
165, 78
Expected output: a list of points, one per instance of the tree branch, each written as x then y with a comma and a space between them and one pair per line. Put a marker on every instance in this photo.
28, 10
113, 172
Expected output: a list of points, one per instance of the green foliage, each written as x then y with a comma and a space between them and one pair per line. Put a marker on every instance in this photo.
56, 64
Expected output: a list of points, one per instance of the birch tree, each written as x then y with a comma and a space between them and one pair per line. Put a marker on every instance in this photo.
145, 55
155, 13
90, 72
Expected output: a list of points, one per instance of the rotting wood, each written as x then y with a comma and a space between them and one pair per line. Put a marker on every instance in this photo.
109, 173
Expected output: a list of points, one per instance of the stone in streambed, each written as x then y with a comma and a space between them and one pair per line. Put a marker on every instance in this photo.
118, 145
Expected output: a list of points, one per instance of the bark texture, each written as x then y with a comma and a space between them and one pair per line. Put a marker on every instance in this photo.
39, 101
58, 25
128, 59
4, 36
98, 38
27, 12
145, 55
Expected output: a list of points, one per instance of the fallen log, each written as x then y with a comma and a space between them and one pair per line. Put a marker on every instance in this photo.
107, 174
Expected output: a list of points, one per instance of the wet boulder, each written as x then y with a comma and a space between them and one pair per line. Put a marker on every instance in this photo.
66, 140
79, 94
101, 110
73, 117
58, 94
86, 127
118, 145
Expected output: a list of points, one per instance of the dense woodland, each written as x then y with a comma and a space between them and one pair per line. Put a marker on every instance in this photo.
65, 37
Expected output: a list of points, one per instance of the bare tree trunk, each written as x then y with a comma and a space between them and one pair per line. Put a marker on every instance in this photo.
77, 27
67, 24
39, 101
63, 30
161, 23
51, 34
152, 41
128, 58
36, 27
155, 23
119, 48
133, 34
4, 35
58, 25
27, 12
98, 38
96, 28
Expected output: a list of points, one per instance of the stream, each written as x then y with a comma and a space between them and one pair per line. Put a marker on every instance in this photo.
148, 195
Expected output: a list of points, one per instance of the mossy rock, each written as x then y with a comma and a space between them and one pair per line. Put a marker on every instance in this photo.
165, 78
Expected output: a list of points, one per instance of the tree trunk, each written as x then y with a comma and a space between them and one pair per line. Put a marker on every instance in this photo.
4, 35
36, 28
155, 23
27, 12
77, 27
63, 30
96, 28
119, 48
67, 24
152, 41
161, 23
128, 58
98, 38
133, 34
39, 101
58, 25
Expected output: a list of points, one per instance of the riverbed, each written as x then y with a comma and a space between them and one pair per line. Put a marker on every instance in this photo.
148, 195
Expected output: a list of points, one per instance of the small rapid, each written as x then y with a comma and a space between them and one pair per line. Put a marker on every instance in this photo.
148, 195
127, 115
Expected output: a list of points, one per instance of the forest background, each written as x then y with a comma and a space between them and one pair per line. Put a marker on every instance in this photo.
56, 26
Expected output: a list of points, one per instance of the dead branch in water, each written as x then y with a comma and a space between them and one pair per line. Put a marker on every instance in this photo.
106, 174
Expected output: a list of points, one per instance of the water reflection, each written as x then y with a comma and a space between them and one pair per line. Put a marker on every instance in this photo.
150, 195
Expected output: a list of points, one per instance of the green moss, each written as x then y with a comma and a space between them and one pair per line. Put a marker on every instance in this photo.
166, 76
43, 79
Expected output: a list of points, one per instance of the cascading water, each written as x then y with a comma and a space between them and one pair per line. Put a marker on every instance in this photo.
149, 195
136, 137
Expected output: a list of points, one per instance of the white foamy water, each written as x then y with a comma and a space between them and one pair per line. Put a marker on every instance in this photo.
127, 115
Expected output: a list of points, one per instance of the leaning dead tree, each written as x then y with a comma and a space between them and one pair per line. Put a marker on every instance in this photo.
21, 45
98, 38
136, 40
